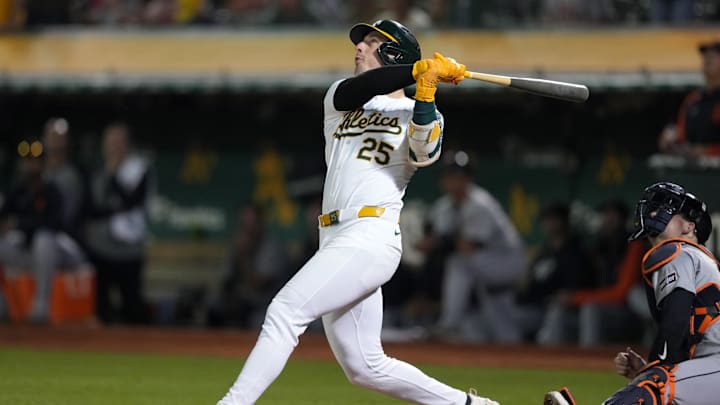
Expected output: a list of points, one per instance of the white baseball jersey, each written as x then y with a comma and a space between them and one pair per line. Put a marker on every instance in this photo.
366, 152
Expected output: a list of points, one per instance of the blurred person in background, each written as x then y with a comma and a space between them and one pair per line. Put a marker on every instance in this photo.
483, 255
483, 14
560, 265
153, 12
247, 12
257, 267
311, 240
610, 240
697, 130
32, 236
412, 296
606, 311
603, 312
64, 174
326, 13
159, 12
195, 12
407, 12
332, 13
292, 12
672, 11
48, 12
112, 12
12, 14
411, 299
116, 232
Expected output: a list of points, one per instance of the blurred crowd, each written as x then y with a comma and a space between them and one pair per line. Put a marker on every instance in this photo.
476, 280
466, 272
416, 14
60, 217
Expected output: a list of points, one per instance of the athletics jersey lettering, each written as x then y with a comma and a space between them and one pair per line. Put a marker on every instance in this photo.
366, 152
355, 123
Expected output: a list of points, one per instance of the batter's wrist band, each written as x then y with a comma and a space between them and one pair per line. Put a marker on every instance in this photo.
424, 112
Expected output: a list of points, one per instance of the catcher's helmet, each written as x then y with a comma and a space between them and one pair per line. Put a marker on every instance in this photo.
402, 47
663, 200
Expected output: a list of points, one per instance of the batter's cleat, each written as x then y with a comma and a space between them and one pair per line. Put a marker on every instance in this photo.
474, 399
562, 397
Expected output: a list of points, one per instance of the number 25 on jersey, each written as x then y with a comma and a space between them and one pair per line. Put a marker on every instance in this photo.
375, 150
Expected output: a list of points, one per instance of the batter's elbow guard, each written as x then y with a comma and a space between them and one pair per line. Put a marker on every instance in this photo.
425, 143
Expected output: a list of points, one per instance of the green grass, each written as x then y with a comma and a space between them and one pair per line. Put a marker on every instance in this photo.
78, 378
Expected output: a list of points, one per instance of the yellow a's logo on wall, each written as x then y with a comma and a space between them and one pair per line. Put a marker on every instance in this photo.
198, 166
271, 188
524, 208
613, 168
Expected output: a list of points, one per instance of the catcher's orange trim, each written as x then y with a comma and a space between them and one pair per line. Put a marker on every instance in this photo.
566, 393
647, 271
664, 387
679, 242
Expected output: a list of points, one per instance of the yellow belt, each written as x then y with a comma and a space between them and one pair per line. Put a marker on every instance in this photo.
334, 217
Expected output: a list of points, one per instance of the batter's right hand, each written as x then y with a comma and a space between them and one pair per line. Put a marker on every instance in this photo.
629, 363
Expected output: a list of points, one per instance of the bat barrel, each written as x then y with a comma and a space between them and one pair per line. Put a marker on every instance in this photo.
546, 88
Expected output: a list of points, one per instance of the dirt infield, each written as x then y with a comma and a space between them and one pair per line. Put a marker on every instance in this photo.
233, 343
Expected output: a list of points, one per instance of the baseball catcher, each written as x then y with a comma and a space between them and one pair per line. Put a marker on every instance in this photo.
682, 280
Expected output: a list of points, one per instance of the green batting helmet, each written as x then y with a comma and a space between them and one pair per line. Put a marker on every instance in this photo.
402, 47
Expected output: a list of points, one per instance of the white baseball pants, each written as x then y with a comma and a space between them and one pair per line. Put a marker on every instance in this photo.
341, 283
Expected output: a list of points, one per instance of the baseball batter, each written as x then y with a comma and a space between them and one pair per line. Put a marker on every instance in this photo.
683, 290
375, 138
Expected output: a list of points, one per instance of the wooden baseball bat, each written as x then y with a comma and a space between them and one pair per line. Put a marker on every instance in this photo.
547, 88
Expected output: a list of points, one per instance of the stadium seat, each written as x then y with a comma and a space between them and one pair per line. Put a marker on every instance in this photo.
72, 298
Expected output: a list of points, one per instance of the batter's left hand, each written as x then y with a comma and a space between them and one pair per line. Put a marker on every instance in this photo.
425, 72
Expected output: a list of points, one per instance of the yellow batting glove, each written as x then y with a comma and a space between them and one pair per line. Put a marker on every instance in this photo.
420, 67
425, 73
449, 71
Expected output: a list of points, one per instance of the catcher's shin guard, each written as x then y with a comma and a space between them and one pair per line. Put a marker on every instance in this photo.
655, 386
562, 397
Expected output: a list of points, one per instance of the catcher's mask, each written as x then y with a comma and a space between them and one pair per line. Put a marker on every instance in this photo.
663, 200
401, 49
